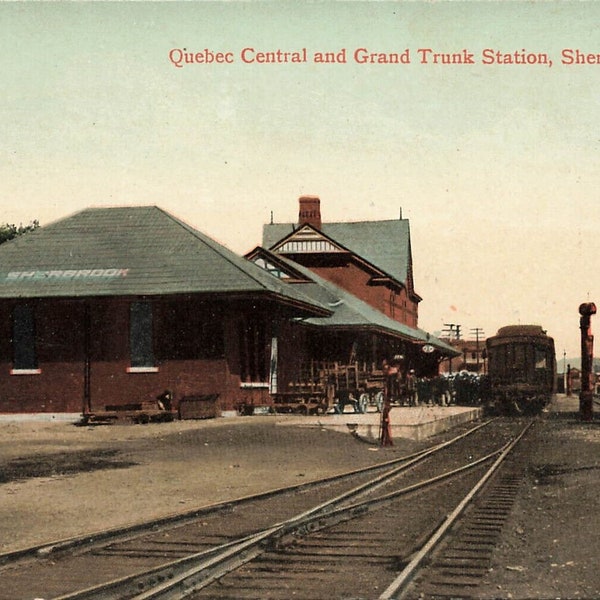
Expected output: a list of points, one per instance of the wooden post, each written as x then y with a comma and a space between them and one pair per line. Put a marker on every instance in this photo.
385, 437
87, 365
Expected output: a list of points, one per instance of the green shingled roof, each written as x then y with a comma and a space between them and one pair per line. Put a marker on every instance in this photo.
384, 244
130, 251
349, 311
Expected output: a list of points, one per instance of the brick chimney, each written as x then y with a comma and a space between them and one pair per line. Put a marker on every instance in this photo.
310, 211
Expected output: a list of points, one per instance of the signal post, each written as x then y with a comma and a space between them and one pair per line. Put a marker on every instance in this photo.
586, 396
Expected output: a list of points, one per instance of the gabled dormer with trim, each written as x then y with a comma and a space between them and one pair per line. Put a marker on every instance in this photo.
308, 240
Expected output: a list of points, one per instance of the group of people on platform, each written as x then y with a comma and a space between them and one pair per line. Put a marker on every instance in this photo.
404, 388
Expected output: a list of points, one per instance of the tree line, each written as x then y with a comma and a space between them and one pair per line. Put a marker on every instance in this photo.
8, 231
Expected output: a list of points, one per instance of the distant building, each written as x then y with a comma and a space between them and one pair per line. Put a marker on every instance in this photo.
472, 357
573, 380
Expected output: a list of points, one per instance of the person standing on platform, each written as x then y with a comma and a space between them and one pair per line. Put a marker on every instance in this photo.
389, 375
411, 388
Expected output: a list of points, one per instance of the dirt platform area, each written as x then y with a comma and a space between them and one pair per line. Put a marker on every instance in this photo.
58, 480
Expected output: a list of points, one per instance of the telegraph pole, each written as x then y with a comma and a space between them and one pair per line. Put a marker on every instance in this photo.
451, 331
478, 332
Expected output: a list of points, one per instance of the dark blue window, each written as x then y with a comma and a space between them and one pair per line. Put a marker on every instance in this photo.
141, 336
24, 354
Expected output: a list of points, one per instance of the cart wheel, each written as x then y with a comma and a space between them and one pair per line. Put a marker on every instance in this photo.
363, 403
379, 401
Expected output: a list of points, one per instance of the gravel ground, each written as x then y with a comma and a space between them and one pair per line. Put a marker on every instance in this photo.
550, 546
58, 481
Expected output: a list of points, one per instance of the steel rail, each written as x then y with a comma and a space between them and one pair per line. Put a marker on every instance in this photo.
117, 534
348, 512
372, 485
169, 575
401, 581
109, 536
203, 575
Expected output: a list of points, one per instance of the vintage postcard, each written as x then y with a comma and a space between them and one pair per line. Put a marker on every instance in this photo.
278, 241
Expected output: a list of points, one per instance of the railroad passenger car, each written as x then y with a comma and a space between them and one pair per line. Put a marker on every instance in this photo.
521, 369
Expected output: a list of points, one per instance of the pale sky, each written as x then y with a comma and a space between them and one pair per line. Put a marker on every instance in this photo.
495, 165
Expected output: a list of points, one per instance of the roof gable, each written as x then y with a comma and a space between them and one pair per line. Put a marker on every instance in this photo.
383, 244
307, 240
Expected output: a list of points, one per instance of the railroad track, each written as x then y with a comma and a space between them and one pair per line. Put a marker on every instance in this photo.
465, 558
356, 518
457, 562
393, 533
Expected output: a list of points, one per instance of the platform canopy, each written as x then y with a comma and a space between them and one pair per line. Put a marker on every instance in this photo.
348, 311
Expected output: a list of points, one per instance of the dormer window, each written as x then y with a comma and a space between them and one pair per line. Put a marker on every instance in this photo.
270, 268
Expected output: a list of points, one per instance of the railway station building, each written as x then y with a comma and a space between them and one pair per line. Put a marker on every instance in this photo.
112, 307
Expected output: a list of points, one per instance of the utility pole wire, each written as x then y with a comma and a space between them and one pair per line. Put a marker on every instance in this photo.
453, 330
478, 331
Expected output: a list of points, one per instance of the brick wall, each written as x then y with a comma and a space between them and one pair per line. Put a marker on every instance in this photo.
352, 278
62, 347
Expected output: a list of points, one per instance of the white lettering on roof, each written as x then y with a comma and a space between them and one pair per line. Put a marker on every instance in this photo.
65, 274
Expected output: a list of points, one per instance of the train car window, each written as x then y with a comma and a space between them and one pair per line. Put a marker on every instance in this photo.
540, 359
519, 358
506, 360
